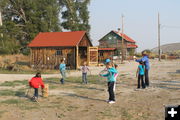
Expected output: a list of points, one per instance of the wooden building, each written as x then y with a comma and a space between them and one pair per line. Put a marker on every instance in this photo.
113, 39
105, 53
49, 48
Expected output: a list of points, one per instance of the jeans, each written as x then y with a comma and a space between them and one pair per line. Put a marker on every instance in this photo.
111, 91
84, 78
146, 77
63, 74
36, 92
141, 78
114, 86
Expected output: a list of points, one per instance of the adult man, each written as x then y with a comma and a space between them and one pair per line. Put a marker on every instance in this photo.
145, 59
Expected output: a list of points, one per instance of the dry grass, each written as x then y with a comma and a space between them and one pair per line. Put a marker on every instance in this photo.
74, 100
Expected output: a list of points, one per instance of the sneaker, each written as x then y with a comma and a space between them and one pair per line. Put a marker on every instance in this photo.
35, 99
136, 89
107, 100
111, 102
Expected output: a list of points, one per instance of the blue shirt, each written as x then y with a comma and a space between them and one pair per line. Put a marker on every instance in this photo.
62, 66
110, 75
145, 59
141, 69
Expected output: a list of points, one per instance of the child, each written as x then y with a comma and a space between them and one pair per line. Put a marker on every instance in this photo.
111, 80
84, 69
140, 73
145, 60
115, 76
35, 82
105, 62
62, 68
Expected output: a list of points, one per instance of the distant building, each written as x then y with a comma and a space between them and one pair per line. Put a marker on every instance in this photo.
113, 40
49, 48
104, 53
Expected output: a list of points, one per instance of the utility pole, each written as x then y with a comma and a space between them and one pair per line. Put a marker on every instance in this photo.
122, 35
159, 46
119, 32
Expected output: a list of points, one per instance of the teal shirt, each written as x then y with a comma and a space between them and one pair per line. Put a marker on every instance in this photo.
110, 75
141, 69
62, 67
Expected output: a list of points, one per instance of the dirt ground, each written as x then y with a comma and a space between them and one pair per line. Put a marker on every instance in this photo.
76, 101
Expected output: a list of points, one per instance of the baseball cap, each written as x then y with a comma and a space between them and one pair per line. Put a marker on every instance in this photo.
107, 61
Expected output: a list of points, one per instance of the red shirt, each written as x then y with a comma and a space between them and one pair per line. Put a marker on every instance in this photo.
35, 82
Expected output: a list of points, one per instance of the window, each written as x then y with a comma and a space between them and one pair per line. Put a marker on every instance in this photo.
59, 52
101, 53
109, 38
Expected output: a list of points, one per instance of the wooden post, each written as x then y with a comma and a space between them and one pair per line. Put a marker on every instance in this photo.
31, 57
159, 46
32, 50
77, 56
122, 50
88, 56
74, 57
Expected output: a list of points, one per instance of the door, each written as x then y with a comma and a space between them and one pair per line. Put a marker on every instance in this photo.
92, 56
70, 61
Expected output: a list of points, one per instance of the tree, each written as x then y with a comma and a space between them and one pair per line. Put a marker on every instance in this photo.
27, 18
24, 19
75, 15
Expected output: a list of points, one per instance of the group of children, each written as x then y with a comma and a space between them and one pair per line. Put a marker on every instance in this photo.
111, 74
84, 69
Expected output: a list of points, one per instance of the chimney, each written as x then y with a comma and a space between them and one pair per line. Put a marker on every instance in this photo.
119, 30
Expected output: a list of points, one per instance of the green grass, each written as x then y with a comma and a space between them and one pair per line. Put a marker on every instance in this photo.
21, 103
14, 83
31, 71
4, 71
7, 93
53, 87
20, 93
11, 101
92, 79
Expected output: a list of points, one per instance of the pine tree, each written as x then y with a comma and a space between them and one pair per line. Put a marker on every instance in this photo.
75, 15
28, 18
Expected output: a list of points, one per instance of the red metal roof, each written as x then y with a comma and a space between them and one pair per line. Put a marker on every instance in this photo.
106, 48
125, 37
132, 46
53, 39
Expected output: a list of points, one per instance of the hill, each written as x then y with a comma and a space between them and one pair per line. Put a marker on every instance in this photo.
168, 48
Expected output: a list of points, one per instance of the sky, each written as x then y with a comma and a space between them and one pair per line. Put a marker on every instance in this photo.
140, 20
